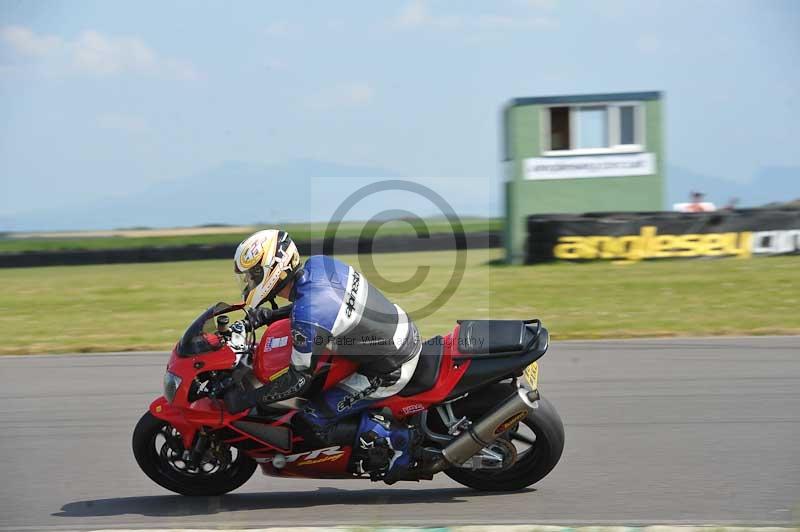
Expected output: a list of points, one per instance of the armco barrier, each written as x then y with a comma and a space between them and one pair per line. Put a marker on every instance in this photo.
386, 244
655, 235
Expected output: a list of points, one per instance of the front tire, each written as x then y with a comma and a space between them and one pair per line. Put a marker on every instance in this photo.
154, 442
532, 465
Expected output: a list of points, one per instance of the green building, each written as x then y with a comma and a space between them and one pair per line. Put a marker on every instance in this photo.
575, 154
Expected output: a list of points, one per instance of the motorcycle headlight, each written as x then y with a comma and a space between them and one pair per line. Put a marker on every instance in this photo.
171, 384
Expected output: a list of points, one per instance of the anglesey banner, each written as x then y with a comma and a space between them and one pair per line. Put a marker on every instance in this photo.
659, 235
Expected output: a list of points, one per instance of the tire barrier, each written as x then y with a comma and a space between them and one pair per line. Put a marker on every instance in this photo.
659, 235
353, 245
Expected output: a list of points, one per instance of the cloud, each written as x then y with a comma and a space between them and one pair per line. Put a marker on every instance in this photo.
351, 94
335, 24
416, 15
125, 122
538, 4
281, 28
27, 43
358, 93
507, 22
649, 43
95, 53
274, 64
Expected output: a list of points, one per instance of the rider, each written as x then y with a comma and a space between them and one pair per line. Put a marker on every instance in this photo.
335, 308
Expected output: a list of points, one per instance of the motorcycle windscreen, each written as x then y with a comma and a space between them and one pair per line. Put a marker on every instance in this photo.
201, 336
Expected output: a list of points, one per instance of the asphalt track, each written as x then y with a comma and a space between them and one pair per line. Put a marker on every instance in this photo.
693, 431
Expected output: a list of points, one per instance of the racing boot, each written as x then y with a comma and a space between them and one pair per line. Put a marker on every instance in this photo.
383, 449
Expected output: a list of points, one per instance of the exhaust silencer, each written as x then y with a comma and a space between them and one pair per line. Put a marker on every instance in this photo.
487, 429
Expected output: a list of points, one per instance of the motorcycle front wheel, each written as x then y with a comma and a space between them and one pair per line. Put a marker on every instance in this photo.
159, 452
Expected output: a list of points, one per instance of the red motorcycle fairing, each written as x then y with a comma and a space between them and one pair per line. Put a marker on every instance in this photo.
450, 372
274, 352
272, 356
188, 416
328, 462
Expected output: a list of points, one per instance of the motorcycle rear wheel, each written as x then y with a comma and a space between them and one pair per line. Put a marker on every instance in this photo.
533, 463
163, 465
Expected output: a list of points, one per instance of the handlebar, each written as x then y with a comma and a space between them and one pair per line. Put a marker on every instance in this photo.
266, 316
281, 313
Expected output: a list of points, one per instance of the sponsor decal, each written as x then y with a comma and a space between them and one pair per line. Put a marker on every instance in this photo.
274, 343
776, 242
411, 409
648, 244
350, 400
329, 458
307, 455
350, 301
510, 422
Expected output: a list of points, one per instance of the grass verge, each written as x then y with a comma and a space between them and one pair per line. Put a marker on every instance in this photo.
299, 232
147, 306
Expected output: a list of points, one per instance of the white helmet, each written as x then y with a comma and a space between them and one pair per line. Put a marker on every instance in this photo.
264, 263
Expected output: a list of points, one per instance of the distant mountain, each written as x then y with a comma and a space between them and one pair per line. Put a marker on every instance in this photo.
302, 190
772, 184
237, 192
232, 192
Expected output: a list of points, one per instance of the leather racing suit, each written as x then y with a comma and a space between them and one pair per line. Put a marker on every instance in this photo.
334, 307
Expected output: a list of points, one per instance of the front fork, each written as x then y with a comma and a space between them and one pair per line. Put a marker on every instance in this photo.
199, 449
194, 441
162, 409
194, 418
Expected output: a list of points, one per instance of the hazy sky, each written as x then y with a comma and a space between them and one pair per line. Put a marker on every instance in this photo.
100, 98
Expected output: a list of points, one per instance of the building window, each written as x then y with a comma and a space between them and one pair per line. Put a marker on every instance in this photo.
559, 128
594, 128
627, 125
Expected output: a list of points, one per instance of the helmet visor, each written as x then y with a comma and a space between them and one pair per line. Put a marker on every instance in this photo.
250, 279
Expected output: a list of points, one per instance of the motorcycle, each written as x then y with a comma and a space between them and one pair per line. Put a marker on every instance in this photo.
473, 406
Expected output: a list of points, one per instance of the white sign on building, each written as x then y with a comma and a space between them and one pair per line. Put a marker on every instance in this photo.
630, 164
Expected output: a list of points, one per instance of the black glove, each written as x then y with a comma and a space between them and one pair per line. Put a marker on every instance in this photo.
258, 317
238, 399
291, 384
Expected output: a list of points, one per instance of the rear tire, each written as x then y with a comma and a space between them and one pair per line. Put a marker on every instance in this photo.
532, 465
154, 461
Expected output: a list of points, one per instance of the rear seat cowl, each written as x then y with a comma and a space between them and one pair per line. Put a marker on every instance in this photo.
492, 336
